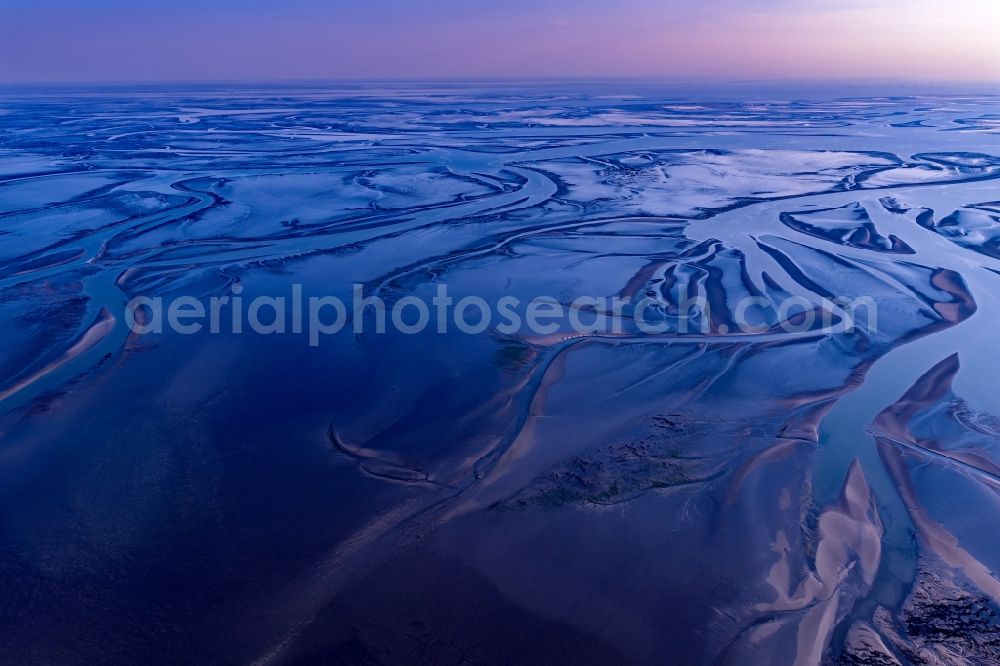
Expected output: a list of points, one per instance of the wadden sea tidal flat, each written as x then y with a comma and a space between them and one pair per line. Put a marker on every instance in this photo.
468, 373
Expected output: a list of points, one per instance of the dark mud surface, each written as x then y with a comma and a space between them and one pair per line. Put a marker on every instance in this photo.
791, 495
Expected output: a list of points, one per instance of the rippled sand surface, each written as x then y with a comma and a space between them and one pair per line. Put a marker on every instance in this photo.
786, 496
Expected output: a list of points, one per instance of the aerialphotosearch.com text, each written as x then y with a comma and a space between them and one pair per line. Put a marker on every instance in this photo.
317, 316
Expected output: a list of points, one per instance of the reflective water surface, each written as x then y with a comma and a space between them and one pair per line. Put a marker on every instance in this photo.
792, 496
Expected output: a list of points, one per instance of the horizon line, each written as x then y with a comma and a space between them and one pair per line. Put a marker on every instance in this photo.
548, 78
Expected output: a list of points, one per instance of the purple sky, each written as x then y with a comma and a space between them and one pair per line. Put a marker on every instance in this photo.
148, 40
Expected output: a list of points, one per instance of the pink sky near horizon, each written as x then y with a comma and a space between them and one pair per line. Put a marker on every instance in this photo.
110, 40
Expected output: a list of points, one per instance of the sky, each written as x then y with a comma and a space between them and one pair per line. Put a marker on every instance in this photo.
223, 40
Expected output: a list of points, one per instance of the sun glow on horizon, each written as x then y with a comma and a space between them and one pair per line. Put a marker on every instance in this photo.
813, 39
